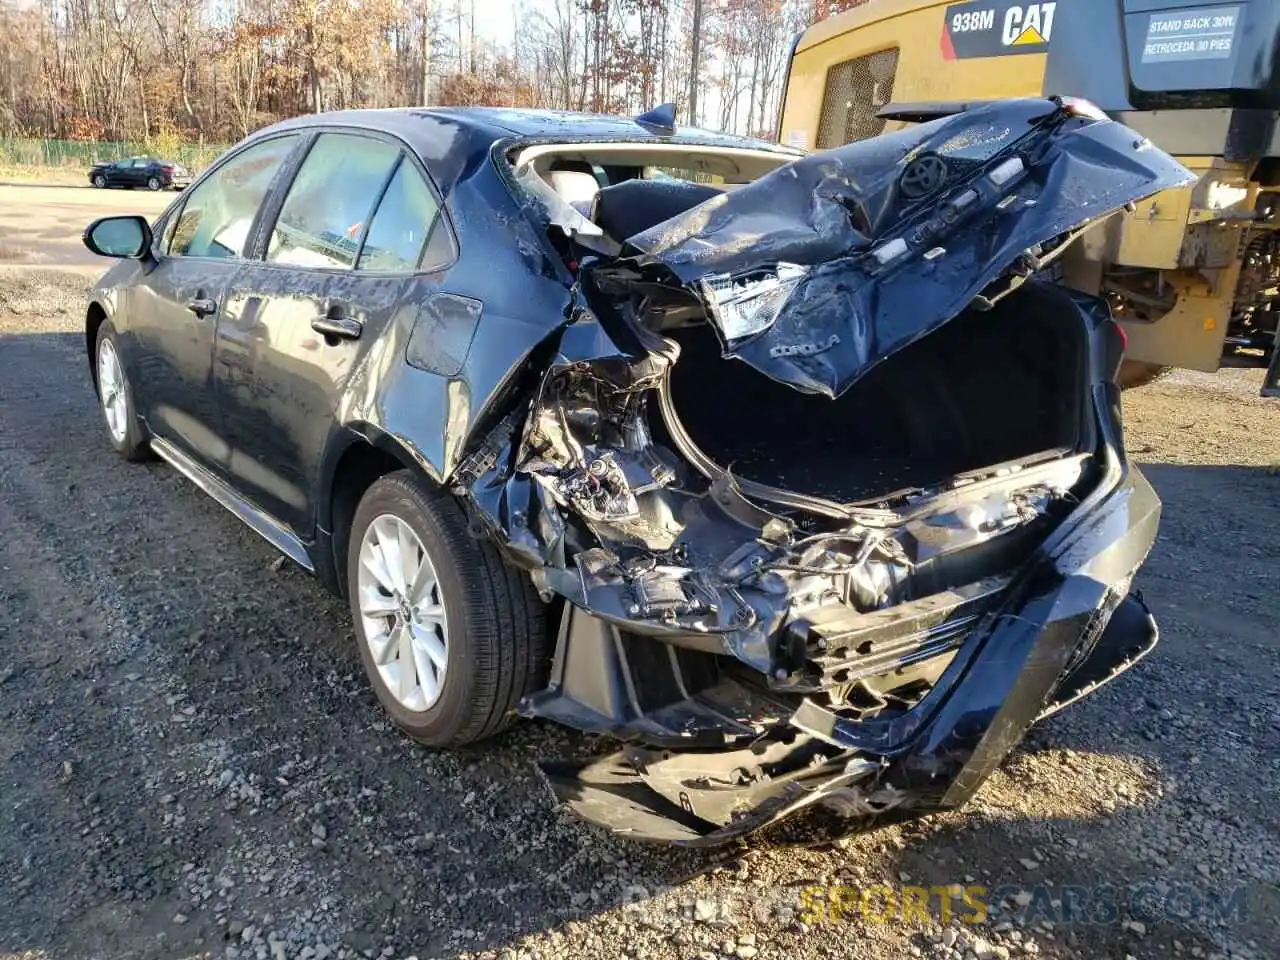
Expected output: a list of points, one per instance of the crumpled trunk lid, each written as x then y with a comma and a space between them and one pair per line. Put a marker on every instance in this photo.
823, 268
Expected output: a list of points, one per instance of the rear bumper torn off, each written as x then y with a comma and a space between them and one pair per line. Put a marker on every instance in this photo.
748, 755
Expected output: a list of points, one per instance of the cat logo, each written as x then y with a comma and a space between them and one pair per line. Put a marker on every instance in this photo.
1032, 24
997, 28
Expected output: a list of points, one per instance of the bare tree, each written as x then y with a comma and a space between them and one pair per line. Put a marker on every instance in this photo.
215, 70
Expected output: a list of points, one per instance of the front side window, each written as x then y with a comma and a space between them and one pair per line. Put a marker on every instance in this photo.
400, 229
139, 164
329, 203
218, 213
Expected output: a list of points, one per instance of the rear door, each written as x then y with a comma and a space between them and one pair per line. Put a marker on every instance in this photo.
173, 314
337, 263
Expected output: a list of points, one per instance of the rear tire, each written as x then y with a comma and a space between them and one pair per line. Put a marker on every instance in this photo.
1137, 373
485, 614
154, 183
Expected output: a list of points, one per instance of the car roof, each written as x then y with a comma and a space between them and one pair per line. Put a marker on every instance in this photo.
556, 123
419, 126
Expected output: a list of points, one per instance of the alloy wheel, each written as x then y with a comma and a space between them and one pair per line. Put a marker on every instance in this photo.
111, 390
402, 613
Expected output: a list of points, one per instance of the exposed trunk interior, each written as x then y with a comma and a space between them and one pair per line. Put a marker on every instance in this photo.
986, 388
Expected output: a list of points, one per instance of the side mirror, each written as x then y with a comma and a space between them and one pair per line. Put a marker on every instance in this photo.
125, 237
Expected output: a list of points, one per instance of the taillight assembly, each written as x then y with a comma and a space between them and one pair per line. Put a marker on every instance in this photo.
1080, 107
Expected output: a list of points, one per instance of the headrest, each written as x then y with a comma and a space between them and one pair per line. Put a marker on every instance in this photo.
575, 186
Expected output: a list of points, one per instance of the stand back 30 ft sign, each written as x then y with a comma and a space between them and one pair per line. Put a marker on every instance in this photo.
997, 28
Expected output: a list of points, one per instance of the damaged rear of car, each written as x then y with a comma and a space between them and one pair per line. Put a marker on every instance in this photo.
825, 466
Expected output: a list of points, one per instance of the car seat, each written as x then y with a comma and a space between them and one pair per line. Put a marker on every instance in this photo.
633, 206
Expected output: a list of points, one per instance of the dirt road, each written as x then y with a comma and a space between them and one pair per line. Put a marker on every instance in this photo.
192, 765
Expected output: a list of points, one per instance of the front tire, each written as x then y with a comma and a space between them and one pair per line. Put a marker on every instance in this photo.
450, 636
115, 398
99, 181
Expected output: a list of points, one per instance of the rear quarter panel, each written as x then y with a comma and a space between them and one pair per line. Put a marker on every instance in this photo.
525, 298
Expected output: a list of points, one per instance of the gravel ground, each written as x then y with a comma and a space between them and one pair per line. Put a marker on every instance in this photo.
192, 765
41, 221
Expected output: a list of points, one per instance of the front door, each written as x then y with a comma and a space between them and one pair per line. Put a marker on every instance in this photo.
174, 313
173, 317
338, 263
136, 172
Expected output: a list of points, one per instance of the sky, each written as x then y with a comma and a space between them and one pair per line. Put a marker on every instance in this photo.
496, 19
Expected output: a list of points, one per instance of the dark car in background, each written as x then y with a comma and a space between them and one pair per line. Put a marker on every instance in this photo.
149, 172
798, 474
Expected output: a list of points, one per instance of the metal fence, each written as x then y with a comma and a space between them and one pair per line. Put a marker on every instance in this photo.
21, 152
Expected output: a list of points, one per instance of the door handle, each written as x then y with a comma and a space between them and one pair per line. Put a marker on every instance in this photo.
202, 306
343, 328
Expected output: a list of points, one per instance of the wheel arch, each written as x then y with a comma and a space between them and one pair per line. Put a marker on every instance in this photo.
358, 457
95, 317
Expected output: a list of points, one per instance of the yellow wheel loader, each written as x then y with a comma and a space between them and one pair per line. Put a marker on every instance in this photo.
1192, 273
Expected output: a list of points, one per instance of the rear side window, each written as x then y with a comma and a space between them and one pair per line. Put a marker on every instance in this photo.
401, 227
330, 201
218, 213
